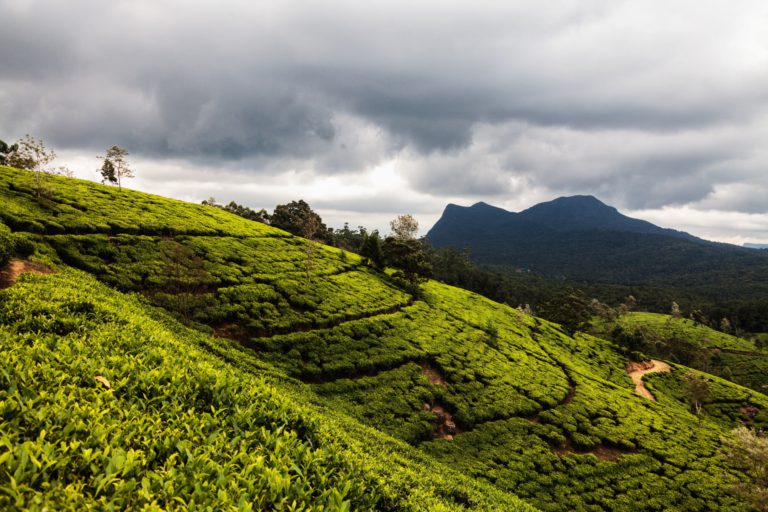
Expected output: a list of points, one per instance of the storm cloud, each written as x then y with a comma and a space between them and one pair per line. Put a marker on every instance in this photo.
368, 108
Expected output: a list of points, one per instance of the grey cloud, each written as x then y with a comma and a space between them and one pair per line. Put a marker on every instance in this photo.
248, 79
471, 100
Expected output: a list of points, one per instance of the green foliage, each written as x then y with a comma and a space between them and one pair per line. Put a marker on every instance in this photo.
299, 218
107, 171
371, 249
350, 239
115, 167
306, 404
240, 210
5, 150
571, 310
176, 426
692, 343
7, 244
409, 257
83, 207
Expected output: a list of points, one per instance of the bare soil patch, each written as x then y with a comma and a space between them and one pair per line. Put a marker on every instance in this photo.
433, 374
444, 425
11, 272
749, 412
230, 331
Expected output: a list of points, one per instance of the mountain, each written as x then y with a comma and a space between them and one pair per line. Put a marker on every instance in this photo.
755, 246
587, 213
166, 355
582, 238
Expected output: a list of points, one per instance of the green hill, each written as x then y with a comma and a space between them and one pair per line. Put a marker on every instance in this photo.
246, 368
737, 359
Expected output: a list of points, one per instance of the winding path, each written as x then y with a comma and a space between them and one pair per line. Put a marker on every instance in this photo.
637, 370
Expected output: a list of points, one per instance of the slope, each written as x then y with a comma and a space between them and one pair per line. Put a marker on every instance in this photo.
109, 404
505, 398
736, 359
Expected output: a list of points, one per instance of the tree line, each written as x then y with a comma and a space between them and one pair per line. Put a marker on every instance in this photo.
400, 249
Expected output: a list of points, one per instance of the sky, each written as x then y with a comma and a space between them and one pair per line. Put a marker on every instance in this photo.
368, 110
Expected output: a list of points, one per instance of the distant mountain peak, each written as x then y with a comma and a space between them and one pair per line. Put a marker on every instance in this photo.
588, 213
567, 214
480, 205
578, 199
574, 204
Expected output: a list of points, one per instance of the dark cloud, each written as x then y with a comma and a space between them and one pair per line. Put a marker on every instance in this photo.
643, 103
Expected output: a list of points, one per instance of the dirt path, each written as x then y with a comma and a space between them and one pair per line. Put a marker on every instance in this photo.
444, 425
637, 370
15, 268
432, 373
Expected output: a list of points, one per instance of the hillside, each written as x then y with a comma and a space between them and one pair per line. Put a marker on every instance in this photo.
311, 378
580, 238
736, 359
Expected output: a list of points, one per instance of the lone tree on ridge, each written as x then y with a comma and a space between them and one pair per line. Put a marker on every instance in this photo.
115, 166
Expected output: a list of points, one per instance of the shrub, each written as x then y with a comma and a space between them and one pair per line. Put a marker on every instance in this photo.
6, 244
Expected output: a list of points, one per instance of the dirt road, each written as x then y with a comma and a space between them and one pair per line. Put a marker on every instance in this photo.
637, 370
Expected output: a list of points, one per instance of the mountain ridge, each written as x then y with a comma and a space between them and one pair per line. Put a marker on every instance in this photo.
565, 213
580, 237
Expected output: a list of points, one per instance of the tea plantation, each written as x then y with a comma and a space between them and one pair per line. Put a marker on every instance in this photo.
182, 357
736, 359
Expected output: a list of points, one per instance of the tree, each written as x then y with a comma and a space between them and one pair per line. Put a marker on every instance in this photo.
5, 150
371, 249
628, 305
310, 228
108, 174
604, 311
239, 210
350, 239
247, 213
404, 227
117, 168
298, 218
571, 310
409, 257
30, 153
748, 451
697, 390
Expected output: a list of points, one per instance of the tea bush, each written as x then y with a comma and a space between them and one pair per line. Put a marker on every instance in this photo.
106, 404
334, 360
6, 244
